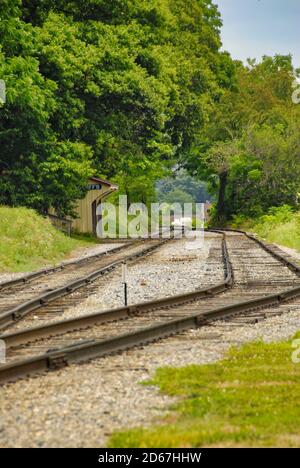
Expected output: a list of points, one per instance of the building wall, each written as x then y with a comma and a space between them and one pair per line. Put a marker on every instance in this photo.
84, 223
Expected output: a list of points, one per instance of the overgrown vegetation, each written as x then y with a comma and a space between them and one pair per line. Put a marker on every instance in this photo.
29, 241
280, 225
248, 399
249, 150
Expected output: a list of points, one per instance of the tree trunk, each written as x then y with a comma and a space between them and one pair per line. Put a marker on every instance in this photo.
221, 207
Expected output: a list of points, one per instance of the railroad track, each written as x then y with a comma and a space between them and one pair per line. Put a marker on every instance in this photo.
51, 291
19, 282
264, 278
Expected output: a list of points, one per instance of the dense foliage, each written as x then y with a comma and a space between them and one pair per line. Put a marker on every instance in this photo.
118, 88
130, 89
250, 148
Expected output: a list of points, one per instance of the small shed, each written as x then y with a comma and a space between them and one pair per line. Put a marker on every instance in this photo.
98, 190
86, 210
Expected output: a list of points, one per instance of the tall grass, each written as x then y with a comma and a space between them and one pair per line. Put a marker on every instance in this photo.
29, 241
280, 226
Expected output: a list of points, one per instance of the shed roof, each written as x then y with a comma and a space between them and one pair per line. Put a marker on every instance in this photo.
103, 182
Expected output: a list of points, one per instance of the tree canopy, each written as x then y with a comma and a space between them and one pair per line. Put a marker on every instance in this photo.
249, 149
130, 89
116, 88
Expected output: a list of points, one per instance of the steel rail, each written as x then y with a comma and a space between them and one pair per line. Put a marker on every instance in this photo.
267, 247
24, 279
92, 349
85, 321
17, 313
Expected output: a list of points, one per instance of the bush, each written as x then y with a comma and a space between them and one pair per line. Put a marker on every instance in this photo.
281, 214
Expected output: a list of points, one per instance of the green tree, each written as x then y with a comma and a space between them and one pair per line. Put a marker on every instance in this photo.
121, 88
178, 196
249, 148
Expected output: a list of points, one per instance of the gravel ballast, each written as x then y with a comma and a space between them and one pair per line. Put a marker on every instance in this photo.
172, 270
80, 406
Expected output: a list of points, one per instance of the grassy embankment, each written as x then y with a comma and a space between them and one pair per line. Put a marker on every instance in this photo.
280, 226
251, 398
29, 241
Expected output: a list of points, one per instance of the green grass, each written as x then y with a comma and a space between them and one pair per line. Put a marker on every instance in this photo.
279, 226
249, 399
287, 234
29, 241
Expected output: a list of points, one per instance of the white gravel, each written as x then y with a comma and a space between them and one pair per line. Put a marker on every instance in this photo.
172, 270
80, 406
292, 252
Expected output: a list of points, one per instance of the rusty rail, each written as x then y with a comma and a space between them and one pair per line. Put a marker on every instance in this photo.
17, 313
100, 348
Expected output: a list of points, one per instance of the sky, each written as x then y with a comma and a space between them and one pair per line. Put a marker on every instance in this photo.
253, 28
